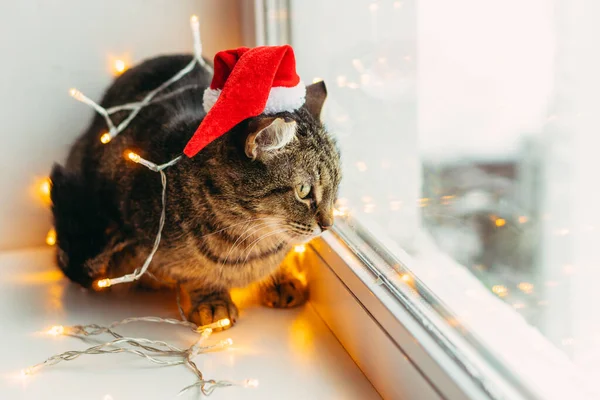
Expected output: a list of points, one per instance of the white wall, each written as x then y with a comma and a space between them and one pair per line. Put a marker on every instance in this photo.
47, 47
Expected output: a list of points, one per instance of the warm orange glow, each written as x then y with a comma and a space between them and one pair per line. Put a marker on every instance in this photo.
105, 138
120, 66
523, 219
406, 278
51, 237
500, 222
194, 19
500, 290
36, 278
44, 188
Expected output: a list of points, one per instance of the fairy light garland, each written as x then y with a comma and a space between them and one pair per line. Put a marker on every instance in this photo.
113, 130
155, 351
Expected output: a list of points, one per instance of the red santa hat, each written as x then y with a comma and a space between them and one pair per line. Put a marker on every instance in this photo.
246, 83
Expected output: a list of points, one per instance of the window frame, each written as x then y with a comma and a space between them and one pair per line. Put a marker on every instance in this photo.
428, 358
343, 272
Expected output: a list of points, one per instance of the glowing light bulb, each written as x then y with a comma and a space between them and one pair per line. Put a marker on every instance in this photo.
103, 283
500, 222
250, 383
76, 94
227, 342
105, 138
133, 156
224, 322
523, 219
500, 290
194, 19
120, 66
406, 278
299, 248
51, 237
28, 371
45, 187
56, 330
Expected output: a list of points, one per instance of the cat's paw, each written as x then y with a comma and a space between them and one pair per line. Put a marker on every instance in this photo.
285, 294
213, 308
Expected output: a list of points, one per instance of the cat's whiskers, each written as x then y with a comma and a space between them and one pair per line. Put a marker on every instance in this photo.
253, 244
239, 223
253, 230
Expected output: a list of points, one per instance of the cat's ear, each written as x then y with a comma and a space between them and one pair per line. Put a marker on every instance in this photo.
268, 135
315, 98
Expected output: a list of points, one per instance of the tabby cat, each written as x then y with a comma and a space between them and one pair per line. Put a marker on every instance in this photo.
233, 211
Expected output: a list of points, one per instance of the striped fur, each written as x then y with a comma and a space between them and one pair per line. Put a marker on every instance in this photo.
230, 219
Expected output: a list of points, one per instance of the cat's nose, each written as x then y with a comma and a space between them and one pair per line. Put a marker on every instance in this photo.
325, 221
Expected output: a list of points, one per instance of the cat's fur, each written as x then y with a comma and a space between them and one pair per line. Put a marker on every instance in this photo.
232, 210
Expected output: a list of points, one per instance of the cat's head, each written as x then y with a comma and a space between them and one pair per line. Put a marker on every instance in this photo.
284, 167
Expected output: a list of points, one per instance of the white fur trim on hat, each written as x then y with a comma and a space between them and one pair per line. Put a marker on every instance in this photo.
280, 98
210, 97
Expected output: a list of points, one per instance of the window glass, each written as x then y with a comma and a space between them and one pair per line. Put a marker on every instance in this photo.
469, 136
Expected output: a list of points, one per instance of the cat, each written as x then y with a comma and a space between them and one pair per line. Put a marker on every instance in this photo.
233, 211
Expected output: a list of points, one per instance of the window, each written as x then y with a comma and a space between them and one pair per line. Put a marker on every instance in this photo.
468, 136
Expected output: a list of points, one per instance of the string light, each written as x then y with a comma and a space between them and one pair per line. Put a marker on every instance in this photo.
56, 330
120, 66
250, 383
500, 222
300, 248
222, 323
134, 157
51, 237
523, 219
149, 349
105, 138
146, 348
103, 283
45, 187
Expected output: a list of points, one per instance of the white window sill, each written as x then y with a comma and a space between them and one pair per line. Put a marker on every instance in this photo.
291, 352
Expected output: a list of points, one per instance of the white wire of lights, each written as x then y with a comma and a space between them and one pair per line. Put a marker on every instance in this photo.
155, 351
114, 130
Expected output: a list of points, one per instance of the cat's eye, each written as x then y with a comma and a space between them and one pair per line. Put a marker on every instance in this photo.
303, 190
